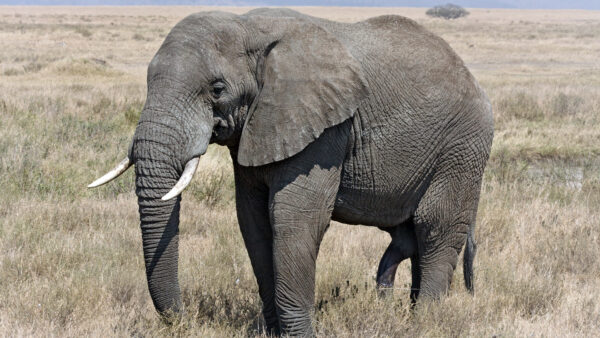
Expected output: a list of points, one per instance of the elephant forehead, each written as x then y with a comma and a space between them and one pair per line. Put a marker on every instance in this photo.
209, 55
222, 33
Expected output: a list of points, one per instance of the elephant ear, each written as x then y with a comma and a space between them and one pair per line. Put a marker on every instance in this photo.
308, 81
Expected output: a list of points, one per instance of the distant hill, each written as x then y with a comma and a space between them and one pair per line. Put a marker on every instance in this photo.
520, 4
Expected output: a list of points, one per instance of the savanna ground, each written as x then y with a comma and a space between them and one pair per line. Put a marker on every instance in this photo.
72, 83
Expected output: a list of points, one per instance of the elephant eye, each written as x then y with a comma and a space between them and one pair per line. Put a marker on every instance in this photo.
217, 89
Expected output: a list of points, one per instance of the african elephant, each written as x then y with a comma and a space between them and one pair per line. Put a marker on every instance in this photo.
377, 123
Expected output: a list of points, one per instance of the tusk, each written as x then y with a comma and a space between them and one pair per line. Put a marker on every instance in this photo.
111, 175
184, 180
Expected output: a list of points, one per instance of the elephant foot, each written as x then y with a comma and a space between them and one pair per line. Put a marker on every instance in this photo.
272, 328
403, 246
386, 273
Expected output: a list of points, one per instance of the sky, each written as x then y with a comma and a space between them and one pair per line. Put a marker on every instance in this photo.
522, 4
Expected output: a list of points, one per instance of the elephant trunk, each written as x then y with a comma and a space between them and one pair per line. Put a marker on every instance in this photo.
160, 234
165, 142
159, 220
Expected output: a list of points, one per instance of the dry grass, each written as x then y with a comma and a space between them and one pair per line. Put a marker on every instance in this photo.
72, 83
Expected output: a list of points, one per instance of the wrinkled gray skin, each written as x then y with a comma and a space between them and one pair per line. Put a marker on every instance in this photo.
376, 123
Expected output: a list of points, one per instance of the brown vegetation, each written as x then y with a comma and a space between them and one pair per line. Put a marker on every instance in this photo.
72, 83
447, 11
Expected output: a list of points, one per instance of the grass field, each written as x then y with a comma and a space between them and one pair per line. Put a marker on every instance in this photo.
72, 83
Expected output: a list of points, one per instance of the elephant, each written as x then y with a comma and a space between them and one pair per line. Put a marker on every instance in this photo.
377, 123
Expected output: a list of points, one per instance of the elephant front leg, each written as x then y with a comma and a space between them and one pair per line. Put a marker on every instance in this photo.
301, 212
253, 218
295, 283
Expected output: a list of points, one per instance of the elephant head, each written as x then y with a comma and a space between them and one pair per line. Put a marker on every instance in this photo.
264, 87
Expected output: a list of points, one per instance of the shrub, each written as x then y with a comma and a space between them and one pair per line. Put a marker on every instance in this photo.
86, 33
33, 67
216, 187
132, 112
85, 67
565, 104
448, 11
12, 72
519, 105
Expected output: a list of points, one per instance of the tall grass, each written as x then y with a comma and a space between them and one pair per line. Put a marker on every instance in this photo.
71, 260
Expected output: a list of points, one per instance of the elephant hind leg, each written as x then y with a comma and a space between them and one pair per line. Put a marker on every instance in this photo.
402, 246
444, 222
415, 266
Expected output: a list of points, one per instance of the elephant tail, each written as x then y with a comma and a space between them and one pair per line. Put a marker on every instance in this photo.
469, 256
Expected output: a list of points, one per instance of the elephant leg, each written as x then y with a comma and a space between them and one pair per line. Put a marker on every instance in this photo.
415, 268
302, 192
300, 217
402, 246
300, 213
444, 217
253, 218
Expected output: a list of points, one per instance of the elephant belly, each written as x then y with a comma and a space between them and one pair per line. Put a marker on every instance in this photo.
368, 208
386, 170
